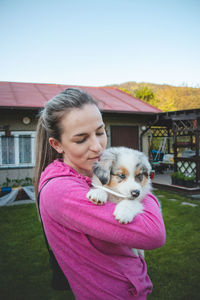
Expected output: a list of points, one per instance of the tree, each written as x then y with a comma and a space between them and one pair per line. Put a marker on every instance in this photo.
145, 93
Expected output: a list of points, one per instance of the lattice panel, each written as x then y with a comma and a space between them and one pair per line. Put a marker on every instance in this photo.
184, 127
161, 132
186, 167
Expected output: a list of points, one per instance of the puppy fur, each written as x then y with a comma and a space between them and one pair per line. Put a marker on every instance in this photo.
125, 171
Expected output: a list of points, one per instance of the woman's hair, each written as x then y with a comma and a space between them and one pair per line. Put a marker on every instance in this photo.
49, 125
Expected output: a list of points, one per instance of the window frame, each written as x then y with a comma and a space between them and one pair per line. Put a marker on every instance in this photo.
17, 164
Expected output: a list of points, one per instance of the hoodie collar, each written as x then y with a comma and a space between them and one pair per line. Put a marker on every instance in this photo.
57, 169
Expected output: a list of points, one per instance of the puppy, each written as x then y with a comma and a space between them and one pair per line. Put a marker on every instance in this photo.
126, 173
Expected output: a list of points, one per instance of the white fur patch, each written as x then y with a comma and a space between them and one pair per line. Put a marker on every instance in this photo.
138, 252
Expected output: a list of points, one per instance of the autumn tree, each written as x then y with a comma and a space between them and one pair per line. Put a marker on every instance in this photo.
164, 97
145, 93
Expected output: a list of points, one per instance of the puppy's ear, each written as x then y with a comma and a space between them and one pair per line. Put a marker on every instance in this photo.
103, 167
146, 167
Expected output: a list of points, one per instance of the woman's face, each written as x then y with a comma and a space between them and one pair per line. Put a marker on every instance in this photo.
83, 139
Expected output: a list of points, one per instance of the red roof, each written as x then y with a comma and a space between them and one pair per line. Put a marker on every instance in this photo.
34, 95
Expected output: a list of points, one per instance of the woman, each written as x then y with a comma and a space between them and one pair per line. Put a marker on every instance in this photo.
91, 247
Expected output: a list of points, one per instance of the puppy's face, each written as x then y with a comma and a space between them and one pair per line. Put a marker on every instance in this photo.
128, 174
129, 179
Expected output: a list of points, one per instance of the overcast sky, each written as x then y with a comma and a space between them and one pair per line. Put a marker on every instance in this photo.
95, 43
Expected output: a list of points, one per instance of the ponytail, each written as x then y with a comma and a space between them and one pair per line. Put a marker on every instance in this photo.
45, 154
49, 125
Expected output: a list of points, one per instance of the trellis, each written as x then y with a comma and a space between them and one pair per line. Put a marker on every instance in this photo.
162, 132
184, 128
188, 127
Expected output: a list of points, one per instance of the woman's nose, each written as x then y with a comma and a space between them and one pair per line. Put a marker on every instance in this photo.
95, 145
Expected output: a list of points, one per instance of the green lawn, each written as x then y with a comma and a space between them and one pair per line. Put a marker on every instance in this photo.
174, 269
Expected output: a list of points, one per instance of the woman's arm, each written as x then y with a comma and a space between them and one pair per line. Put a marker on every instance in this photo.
68, 205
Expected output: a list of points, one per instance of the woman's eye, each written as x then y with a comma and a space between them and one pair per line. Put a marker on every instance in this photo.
80, 142
122, 176
100, 133
139, 177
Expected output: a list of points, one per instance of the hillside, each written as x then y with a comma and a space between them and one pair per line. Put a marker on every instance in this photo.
165, 97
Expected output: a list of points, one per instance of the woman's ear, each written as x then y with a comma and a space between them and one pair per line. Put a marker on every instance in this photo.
55, 144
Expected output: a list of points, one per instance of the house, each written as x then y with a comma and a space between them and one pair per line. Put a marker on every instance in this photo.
125, 117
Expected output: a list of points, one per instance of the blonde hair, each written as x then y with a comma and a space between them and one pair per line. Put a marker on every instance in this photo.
49, 125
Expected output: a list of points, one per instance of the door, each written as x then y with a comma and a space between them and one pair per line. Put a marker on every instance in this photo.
126, 136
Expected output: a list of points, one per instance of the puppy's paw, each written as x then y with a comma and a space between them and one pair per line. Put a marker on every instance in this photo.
97, 196
122, 215
126, 210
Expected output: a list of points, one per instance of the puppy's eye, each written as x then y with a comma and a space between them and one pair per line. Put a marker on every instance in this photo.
139, 177
122, 176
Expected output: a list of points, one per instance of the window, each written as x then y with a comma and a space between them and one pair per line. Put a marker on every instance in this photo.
17, 150
8, 155
25, 149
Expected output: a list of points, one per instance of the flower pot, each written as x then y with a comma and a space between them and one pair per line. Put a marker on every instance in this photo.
174, 180
180, 182
189, 183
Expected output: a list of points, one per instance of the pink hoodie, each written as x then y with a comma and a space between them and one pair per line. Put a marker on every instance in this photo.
92, 248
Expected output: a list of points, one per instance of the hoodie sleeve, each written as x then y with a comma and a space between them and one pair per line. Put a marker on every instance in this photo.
65, 201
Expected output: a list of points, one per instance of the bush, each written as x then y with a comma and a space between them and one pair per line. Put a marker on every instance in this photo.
17, 182
189, 177
175, 175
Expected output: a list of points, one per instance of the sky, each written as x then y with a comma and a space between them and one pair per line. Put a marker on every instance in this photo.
102, 42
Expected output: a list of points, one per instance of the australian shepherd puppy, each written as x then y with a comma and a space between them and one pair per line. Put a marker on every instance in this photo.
122, 176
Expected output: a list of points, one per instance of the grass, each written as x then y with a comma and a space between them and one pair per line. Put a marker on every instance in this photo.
24, 267
174, 269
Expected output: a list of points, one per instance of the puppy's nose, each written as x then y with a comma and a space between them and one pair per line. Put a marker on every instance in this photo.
135, 193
